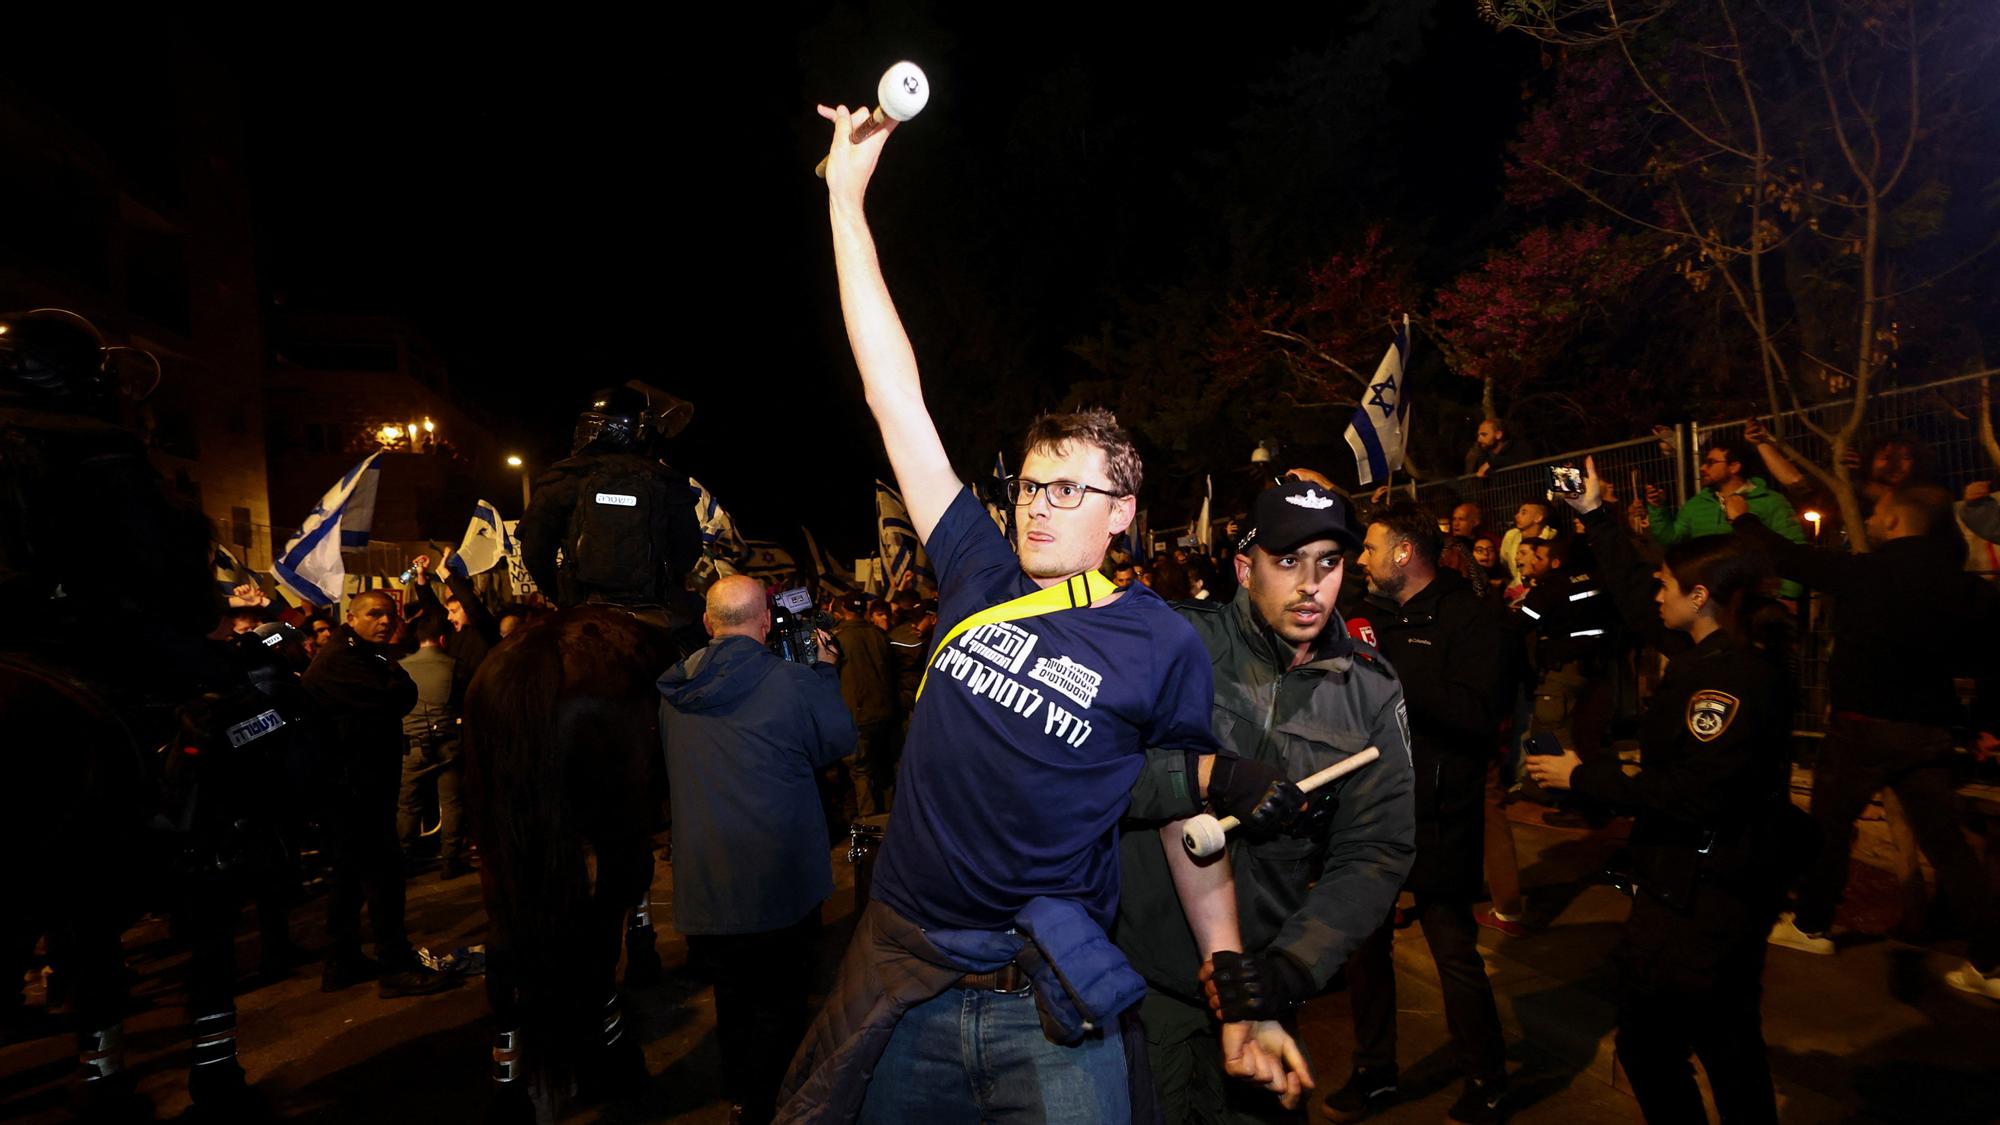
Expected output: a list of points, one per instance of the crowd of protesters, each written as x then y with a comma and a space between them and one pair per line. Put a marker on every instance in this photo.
1608, 657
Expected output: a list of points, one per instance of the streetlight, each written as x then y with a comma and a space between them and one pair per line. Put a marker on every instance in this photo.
1812, 517
514, 461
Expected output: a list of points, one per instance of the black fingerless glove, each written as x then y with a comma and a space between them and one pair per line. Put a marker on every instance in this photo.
1258, 986
1259, 796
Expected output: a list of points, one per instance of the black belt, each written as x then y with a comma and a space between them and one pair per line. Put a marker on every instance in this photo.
1006, 978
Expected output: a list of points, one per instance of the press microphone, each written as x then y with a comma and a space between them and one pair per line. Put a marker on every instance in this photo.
1361, 630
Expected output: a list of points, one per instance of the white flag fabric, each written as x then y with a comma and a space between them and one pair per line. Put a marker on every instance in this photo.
902, 551
1382, 420
719, 537
310, 565
486, 542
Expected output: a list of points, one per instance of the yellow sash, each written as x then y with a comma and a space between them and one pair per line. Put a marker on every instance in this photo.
1077, 592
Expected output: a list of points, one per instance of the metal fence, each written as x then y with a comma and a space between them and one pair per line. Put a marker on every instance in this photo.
1941, 419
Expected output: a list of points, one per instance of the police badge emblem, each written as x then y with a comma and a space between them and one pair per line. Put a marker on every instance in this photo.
1710, 713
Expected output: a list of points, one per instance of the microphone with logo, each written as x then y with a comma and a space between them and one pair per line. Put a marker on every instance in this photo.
1361, 630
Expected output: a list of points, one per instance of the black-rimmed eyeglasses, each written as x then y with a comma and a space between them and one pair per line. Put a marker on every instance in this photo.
1061, 493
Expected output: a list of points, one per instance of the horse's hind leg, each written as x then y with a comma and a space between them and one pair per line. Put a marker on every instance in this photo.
642, 954
215, 1078
94, 957
624, 872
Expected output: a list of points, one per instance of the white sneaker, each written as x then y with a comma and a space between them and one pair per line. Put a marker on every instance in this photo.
1967, 978
1788, 934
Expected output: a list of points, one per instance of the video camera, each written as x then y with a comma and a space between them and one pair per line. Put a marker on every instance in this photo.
794, 622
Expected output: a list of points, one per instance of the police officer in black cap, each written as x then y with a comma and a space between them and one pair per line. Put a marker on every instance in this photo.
622, 517
1294, 693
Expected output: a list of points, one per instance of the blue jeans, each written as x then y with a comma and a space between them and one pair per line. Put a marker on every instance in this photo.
970, 1055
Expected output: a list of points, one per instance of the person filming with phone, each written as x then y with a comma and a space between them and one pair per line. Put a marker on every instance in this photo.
1721, 475
1715, 835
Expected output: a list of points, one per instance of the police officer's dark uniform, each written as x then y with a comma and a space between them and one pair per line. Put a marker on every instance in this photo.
1712, 806
115, 628
1571, 621
623, 518
362, 695
1308, 895
1447, 644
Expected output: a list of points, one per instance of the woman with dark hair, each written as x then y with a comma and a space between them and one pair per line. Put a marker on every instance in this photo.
1710, 798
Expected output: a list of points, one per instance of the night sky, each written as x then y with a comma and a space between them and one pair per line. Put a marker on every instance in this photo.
575, 199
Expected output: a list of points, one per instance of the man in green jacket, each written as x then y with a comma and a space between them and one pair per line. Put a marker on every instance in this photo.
1722, 475
1295, 694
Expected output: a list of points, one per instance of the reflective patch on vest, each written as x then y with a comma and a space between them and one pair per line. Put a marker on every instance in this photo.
1710, 713
618, 499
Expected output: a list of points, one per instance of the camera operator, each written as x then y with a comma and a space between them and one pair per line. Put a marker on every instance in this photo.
746, 733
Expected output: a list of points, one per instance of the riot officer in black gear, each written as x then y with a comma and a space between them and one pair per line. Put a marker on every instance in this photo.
68, 471
622, 517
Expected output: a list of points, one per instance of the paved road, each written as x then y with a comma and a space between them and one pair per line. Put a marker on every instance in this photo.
1870, 1035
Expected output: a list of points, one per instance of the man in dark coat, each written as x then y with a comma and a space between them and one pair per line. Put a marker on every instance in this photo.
868, 684
363, 694
746, 735
1447, 646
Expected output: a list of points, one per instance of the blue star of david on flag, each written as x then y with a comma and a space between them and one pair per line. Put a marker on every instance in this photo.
1377, 432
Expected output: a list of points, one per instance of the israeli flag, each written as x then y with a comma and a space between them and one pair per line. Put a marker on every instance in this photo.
832, 576
486, 543
719, 538
902, 551
310, 566
229, 571
1383, 418
768, 561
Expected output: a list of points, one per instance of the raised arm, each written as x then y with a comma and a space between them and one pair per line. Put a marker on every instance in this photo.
881, 347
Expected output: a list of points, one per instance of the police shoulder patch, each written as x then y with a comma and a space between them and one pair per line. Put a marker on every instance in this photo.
1709, 713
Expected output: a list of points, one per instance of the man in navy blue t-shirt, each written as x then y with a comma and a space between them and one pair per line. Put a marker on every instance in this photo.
1029, 731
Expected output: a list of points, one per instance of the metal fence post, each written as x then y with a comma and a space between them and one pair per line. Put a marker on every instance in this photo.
1685, 434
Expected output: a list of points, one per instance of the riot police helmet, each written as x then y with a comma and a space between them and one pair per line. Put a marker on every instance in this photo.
52, 354
271, 653
630, 418
615, 420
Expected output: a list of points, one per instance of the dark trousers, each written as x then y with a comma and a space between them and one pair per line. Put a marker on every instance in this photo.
873, 765
761, 985
367, 858
424, 767
1691, 983
1469, 1011
1859, 758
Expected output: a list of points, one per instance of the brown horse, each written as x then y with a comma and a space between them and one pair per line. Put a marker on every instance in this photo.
563, 765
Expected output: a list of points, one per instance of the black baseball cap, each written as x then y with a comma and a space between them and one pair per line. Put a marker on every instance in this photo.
1298, 512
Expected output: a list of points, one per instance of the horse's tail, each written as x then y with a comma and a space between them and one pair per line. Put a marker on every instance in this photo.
518, 766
